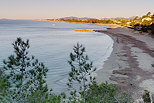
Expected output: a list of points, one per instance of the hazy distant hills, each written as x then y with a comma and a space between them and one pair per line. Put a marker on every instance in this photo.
4, 19
72, 17
121, 18
84, 18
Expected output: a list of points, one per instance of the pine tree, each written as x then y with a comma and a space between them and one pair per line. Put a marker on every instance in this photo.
80, 77
25, 74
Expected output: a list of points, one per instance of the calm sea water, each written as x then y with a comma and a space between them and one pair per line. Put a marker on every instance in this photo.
51, 42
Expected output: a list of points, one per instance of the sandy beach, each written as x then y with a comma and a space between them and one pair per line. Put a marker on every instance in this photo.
130, 62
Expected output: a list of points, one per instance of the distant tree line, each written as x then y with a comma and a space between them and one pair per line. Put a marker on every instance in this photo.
93, 21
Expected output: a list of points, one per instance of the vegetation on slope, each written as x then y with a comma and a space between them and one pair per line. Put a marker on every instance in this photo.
22, 80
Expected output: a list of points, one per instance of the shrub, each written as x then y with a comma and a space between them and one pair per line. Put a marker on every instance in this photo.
152, 28
146, 96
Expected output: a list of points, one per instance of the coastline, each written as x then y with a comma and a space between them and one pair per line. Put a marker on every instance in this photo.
109, 26
129, 64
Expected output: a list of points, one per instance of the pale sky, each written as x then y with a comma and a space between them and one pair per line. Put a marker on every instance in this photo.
44, 9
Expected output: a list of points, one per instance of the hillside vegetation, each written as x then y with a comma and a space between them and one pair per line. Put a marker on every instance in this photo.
144, 23
22, 80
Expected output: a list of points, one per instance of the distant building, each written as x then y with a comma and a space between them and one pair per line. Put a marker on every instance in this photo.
116, 21
146, 18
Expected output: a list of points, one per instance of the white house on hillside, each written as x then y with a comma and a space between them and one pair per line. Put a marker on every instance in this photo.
146, 18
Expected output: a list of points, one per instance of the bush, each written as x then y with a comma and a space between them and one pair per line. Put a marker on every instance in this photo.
152, 28
103, 93
146, 96
106, 93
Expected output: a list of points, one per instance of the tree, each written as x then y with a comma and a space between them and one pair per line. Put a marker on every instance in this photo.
25, 74
80, 77
135, 18
148, 14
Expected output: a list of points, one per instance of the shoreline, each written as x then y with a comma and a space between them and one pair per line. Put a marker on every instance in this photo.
109, 26
129, 64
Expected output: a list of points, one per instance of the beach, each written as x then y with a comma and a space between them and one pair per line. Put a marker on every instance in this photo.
129, 64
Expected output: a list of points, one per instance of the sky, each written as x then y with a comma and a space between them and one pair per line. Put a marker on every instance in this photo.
51, 9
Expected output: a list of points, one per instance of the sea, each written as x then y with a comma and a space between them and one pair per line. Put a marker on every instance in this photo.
51, 42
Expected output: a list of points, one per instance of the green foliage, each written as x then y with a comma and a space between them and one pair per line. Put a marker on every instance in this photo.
93, 21
146, 23
103, 93
106, 93
82, 85
152, 17
132, 23
4, 91
25, 74
80, 75
136, 17
146, 96
125, 97
3, 82
22, 80
148, 14
41, 97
